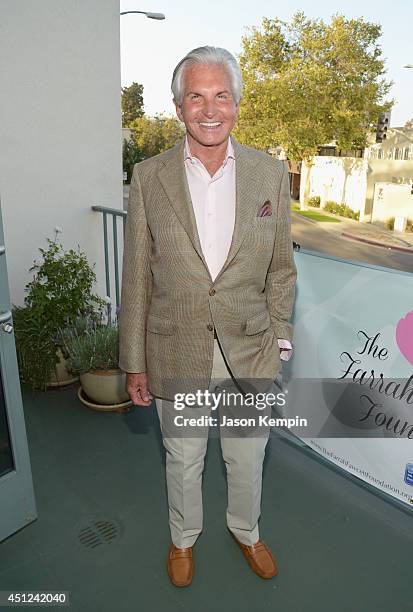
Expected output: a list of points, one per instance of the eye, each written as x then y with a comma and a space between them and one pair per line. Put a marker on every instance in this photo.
223, 96
193, 96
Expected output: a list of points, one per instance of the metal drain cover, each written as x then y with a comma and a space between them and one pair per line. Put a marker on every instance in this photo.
98, 531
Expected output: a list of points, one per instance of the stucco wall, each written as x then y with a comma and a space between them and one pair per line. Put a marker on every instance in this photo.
352, 181
342, 179
60, 127
391, 171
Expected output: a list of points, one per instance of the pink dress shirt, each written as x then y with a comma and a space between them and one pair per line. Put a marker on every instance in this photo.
213, 200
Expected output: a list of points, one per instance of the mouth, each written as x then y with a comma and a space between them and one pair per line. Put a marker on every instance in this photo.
210, 125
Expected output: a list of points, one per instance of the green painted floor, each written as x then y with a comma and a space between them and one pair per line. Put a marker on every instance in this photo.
338, 546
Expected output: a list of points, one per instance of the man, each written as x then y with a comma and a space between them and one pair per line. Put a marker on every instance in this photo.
207, 293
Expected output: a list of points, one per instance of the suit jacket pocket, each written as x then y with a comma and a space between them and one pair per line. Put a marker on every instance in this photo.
159, 325
258, 323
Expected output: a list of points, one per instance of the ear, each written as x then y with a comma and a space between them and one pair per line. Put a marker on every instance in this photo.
178, 109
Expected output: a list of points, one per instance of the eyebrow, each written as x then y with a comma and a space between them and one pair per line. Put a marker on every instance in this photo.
199, 94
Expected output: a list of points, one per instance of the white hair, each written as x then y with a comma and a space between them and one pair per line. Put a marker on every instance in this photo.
207, 55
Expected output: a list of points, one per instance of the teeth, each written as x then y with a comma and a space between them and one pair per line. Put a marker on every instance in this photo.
211, 124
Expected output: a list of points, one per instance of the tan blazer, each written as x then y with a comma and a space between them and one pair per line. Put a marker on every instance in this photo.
170, 307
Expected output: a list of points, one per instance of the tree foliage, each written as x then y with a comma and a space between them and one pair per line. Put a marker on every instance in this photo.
131, 155
153, 135
308, 82
132, 103
150, 136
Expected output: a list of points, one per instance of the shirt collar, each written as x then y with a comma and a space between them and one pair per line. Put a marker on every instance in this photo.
229, 152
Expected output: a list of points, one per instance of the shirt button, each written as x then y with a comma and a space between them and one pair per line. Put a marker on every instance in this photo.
210, 327
212, 292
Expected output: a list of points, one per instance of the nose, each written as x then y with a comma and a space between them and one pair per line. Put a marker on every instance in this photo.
209, 108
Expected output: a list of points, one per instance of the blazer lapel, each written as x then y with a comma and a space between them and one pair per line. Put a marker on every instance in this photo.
173, 178
247, 186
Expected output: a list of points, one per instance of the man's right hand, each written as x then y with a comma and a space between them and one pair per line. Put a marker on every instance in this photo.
137, 387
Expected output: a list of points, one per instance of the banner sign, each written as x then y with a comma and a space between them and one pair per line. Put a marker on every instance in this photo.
350, 376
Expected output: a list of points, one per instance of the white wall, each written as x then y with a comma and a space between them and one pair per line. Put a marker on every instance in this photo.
392, 200
60, 127
341, 179
399, 172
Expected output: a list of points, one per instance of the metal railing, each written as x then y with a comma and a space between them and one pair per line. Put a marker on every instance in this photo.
115, 213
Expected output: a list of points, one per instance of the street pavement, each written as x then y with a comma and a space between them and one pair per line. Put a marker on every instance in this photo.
367, 232
347, 240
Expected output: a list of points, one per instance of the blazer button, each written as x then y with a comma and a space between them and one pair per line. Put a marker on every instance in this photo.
210, 327
212, 292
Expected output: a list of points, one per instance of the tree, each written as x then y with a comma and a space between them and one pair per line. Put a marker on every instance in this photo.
152, 135
132, 103
131, 155
308, 83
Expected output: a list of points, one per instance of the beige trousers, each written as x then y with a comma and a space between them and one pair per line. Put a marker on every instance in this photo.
243, 457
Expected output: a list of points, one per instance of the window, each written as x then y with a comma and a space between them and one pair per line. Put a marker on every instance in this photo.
406, 153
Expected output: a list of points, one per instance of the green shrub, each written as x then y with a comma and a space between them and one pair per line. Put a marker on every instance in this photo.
314, 201
331, 206
389, 223
61, 291
89, 345
341, 209
62, 285
35, 348
131, 155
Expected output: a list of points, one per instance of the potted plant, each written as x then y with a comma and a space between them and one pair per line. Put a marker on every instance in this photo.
91, 349
60, 291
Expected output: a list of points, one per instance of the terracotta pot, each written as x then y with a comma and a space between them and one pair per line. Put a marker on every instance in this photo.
105, 386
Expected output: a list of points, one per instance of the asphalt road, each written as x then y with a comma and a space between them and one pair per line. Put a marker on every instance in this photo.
313, 237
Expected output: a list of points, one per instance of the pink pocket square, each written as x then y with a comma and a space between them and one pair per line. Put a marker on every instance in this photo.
266, 209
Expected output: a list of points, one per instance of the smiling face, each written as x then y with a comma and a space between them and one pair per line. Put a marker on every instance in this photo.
208, 107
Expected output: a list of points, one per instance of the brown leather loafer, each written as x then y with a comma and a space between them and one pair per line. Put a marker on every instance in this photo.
180, 565
259, 558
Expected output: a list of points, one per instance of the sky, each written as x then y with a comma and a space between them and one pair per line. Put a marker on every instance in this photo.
151, 49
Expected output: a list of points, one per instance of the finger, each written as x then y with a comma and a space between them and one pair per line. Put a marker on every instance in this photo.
133, 391
134, 396
141, 399
145, 393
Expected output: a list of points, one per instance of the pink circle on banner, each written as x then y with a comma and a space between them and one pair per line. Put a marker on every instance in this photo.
404, 336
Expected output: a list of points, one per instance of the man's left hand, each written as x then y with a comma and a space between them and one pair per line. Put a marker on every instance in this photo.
285, 348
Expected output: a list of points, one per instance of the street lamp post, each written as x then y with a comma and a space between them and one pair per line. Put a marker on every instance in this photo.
149, 15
